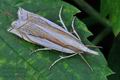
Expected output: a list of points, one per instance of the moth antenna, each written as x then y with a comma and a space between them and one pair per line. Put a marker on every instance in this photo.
86, 61
94, 46
61, 58
61, 20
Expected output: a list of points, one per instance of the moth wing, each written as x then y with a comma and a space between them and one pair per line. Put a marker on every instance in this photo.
47, 44
56, 26
23, 15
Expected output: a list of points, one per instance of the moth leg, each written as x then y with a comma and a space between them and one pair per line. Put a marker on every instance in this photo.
86, 61
61, 58
93, 46
73, 28
61, 18
42, 49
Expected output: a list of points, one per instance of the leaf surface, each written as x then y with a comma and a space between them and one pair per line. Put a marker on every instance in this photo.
16, 61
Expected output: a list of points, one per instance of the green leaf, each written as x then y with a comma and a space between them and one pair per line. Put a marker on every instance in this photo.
17, 63
114, 59
111, 9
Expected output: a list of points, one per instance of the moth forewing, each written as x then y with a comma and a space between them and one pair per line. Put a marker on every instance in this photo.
41, 31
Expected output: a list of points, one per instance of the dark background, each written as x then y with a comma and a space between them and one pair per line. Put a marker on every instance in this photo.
110, 43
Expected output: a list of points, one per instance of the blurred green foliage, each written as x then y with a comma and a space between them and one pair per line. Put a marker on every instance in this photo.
111, 10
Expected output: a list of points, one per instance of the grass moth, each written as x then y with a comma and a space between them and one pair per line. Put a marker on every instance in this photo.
41, 31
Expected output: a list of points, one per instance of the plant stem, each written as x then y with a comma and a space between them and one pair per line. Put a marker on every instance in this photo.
81, 4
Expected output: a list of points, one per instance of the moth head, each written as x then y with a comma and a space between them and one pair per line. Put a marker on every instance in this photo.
22, 18
14, 27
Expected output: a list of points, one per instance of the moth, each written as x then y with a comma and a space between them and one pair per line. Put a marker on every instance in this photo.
41, 31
